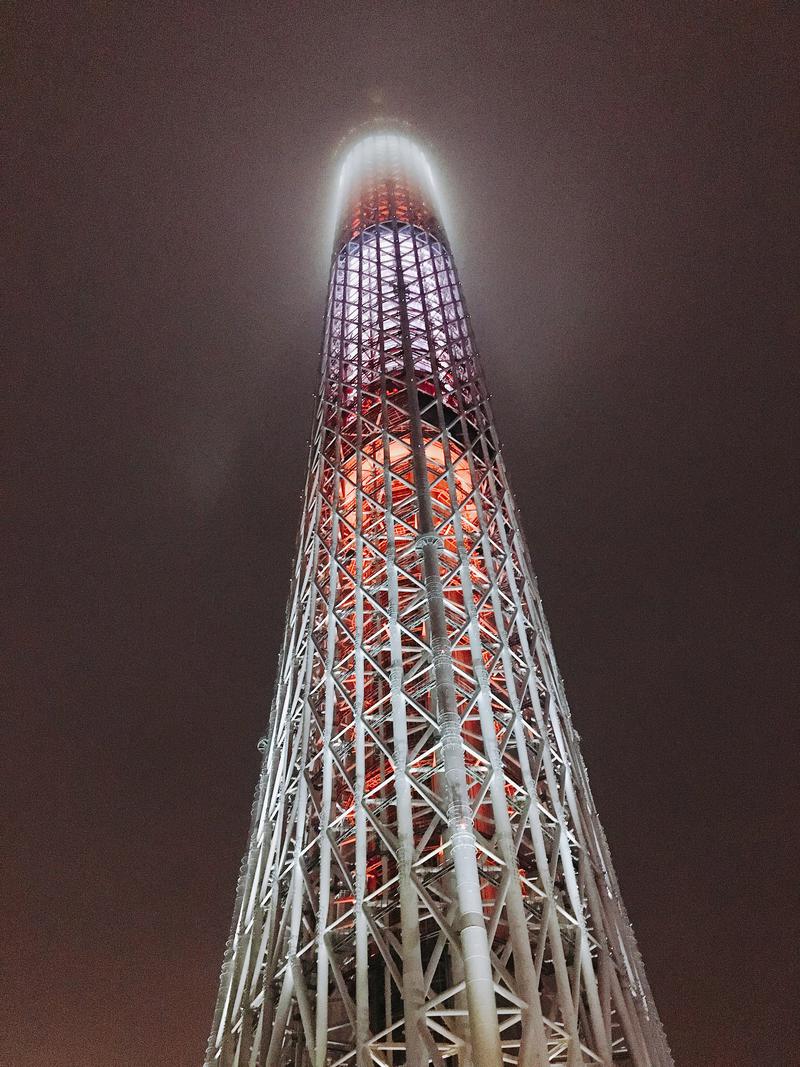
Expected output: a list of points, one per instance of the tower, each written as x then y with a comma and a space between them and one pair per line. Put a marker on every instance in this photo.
426, 880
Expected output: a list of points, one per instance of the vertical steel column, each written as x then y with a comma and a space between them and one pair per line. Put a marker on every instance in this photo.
362, 947
474, 942
413, 994
324, 884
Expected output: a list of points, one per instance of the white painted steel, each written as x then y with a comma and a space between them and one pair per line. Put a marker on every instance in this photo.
426, 880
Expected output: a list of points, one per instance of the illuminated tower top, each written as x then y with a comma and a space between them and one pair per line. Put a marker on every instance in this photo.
384, 177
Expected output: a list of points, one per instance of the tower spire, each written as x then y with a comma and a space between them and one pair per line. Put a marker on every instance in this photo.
426, 880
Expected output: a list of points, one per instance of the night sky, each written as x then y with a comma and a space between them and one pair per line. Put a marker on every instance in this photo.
619, 188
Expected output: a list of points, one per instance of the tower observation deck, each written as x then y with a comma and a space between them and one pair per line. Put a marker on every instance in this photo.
426, 879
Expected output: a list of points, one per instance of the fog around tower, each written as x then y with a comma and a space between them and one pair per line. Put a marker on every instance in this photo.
617, 184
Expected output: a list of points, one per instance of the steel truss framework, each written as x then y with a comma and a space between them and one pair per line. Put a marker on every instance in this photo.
427, 881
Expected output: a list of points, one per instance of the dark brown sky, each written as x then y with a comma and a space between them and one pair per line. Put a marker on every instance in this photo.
620, 189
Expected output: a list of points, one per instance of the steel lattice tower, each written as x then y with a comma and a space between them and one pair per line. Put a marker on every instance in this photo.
426, 881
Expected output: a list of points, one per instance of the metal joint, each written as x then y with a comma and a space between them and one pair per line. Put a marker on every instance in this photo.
428, 540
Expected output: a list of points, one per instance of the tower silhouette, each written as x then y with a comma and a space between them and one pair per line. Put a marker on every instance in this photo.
426, 880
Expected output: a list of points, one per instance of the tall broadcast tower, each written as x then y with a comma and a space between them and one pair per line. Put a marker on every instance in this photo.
426, 880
